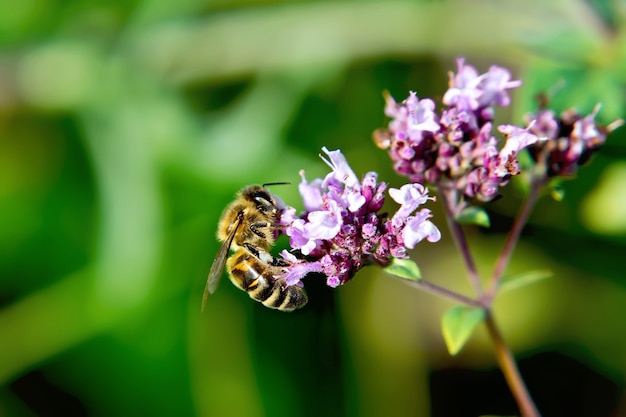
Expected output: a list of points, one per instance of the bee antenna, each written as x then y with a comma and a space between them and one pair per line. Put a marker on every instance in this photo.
276, 183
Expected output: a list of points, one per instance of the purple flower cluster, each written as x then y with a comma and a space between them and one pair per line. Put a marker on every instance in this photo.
456, 148
341, 229
568, 141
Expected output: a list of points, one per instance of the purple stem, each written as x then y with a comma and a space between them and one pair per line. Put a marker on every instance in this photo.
449, 202
513, 237
442, 292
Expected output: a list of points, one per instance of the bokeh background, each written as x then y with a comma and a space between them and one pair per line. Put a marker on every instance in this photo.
125, 129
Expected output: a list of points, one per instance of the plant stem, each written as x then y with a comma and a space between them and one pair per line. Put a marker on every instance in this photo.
513, 237
442, 292
509, 368
449, 202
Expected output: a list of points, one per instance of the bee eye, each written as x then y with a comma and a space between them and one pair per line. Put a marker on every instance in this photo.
263, 199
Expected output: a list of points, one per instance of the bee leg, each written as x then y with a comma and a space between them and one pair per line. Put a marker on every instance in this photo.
279, 262
252, 249
256, 229
261, 255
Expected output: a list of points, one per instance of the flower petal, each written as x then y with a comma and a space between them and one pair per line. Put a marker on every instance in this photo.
410, 196
419, 227
341, 170
298, 270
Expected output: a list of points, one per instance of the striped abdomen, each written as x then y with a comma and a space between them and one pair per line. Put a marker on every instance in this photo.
257, 278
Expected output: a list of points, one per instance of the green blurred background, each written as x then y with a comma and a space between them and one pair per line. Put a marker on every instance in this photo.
126, 127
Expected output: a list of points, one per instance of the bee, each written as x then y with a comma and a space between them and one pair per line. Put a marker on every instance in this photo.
249, 226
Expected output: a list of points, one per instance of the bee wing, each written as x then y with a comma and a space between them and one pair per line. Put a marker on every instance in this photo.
215, 274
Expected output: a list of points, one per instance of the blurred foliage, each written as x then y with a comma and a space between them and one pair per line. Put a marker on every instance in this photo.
126, 127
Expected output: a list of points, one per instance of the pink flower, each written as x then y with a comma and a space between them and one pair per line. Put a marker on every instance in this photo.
460, 152
341, 230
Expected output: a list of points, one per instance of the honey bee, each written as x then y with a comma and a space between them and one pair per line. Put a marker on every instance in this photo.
249, 226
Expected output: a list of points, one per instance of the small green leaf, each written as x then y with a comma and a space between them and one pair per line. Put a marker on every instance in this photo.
557, 193
555, 188
514, 281
458, 324
404, 268
474, 215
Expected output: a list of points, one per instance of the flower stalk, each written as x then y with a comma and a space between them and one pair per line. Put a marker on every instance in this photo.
442, 292
513, 236
509, 369
449, 197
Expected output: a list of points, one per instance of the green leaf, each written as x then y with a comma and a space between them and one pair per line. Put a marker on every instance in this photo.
458, 324
474, 215
404, 268
514, 281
